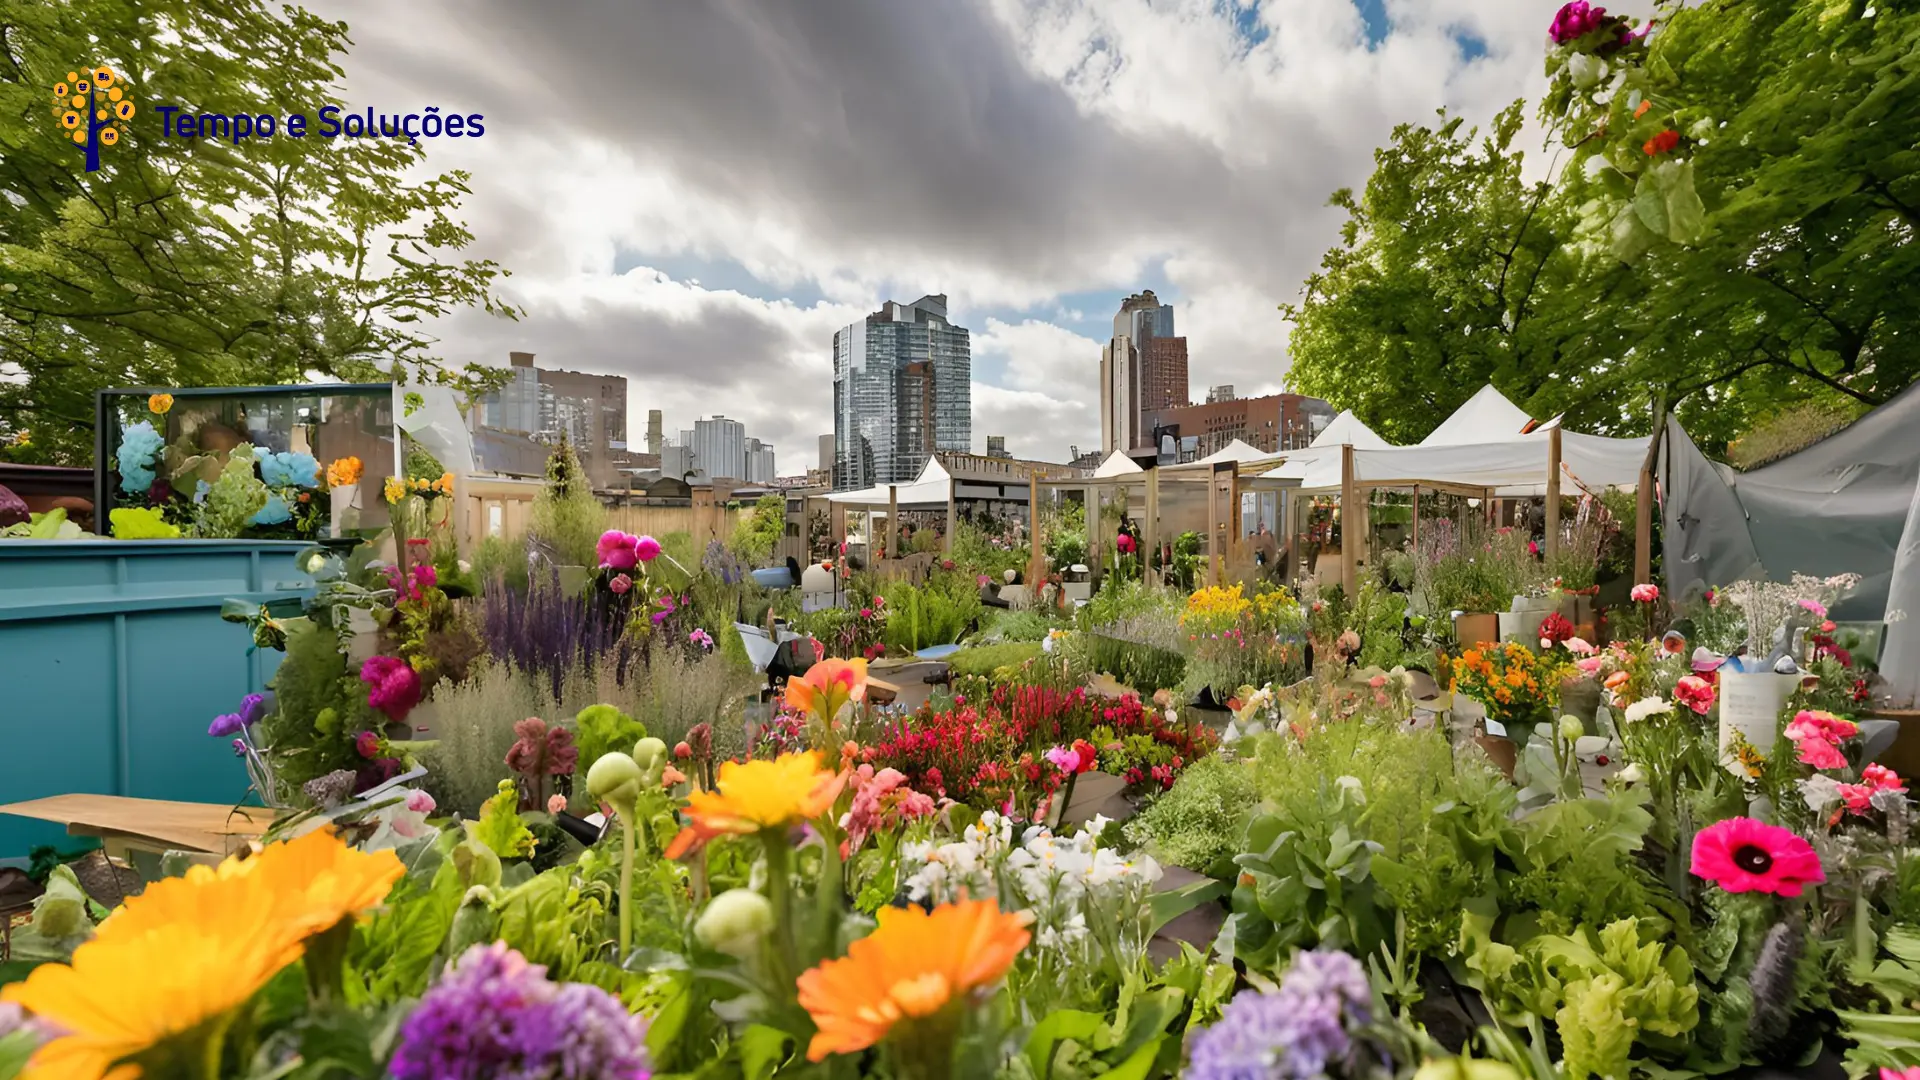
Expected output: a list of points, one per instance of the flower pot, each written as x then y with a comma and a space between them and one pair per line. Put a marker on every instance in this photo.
1472, 630
1750, 704
1521, 626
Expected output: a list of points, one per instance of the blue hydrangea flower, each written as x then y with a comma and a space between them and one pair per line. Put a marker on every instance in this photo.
274, 513
201, 489
139, 446
289, 469
1293, 1033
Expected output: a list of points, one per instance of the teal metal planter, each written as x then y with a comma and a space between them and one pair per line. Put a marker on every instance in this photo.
114, 659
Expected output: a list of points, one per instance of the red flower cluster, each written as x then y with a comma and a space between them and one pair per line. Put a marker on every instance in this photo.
1555, 628
1662, 143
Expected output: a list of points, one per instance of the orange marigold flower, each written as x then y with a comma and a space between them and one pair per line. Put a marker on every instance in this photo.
344, 471
160, 403
754, 795
910, 968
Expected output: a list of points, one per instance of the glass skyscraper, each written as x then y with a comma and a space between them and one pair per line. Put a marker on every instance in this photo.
902, 389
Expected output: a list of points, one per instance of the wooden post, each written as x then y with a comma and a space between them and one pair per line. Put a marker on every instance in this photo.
1416, 519
953, 514
837, 514
1150, 535
1236, 525
1090, 499
893, 521
1643, 497
1036, 566
1553, 492
1350, 523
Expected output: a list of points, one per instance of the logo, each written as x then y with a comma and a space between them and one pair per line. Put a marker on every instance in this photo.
93, 108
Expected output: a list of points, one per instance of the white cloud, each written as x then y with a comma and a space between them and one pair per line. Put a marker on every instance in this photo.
1009, 153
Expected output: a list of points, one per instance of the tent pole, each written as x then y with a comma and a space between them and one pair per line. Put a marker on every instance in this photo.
1643, 495
1416, 517
1036, 569
893, 521
953, 516
1350, 526
1091, 501
1553, 492
1151, 534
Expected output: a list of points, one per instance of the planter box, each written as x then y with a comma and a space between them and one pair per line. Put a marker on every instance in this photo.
113, 658
1472, 630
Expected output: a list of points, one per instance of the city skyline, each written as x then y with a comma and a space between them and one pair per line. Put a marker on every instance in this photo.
708, 249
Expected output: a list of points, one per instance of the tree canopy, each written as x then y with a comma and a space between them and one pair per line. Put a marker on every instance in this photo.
205, 261
1728, 223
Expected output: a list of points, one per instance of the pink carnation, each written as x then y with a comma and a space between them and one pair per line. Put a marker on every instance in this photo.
1818, 609
620, 584
420, 802
1821, 754
1695, 693
646, 548
393, 687
1645, 594
1576, 20
882, 800
556, 803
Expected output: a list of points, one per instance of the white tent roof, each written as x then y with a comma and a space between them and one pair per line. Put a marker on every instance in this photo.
933, 485
1347, 429
1117, 464
1236, 450
1486, 417
1513, 468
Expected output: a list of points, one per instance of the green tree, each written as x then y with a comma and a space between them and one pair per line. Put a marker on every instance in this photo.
1730, 228
184, 262
759, 533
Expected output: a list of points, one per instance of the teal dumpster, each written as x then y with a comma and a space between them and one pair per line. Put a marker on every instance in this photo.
113, 660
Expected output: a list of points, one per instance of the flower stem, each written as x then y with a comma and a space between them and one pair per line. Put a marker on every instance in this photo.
626, 885
780, 893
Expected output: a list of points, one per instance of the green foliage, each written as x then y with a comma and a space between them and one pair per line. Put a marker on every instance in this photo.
599, 730
319, 705
1794, 120
1024, 626
759, 533
1143, 668
500, 827
1196, 824
1574, 861
52, 525
499, 557
983, 660
937, 613
182, 263
140, 523
566, 516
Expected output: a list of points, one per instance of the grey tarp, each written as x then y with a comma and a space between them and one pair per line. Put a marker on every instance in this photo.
1838, 506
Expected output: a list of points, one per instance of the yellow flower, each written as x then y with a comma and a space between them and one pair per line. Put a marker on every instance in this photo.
444, 485
190, 950
396, 489
160, 403
343, 472
754, 795
910, 968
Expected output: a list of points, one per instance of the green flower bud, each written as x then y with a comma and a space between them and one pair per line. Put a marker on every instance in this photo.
652, 756
735, 923
617, 780
1571, 728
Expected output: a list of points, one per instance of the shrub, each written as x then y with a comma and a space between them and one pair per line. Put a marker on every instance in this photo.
1197, 824
984, 660
566, 516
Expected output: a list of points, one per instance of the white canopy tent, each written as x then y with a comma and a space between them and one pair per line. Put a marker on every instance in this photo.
932, 487
1487, 416
1117, 464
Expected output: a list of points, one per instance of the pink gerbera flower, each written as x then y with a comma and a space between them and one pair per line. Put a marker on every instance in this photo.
1744, 855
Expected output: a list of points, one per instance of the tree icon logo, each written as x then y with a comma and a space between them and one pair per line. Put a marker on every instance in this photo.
94, 108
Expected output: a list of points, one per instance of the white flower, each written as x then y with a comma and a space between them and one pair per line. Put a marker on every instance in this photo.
1586, 70
1632, 774
1646, 707
1820, 791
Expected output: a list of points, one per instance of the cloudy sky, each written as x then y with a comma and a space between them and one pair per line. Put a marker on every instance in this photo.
697, 193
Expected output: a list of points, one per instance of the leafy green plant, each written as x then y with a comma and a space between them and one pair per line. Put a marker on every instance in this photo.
983, 660
566, 516
233, 499
759, 532
937, 614
1196, 824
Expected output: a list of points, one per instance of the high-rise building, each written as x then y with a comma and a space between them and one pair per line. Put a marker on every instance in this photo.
760, 465
1218, 394
655, 438
590, 409
997, 446
902, 389
826, 454
1143, 369
720, 448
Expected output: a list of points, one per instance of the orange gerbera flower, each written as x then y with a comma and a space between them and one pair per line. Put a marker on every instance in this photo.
344, 471
910, 968
160, 403
753, 795
828, 686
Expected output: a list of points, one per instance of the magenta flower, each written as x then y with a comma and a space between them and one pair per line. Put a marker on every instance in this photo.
702, 639
646, 548
393, 685
620, 584
1124, 544
1645, 594
1576, 20
367, 745
618, 550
